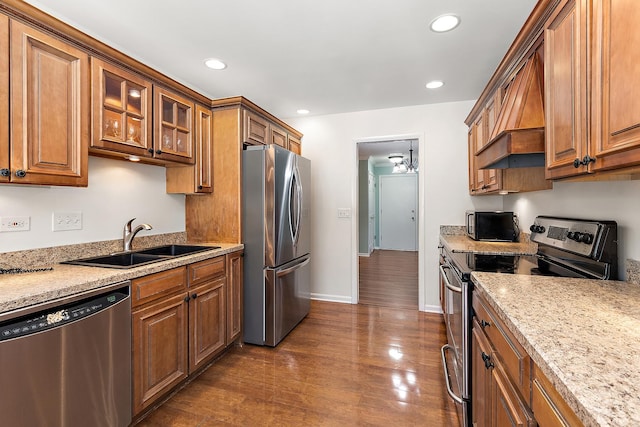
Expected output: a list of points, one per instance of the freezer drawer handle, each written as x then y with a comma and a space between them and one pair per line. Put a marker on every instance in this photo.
290, 269
443, 351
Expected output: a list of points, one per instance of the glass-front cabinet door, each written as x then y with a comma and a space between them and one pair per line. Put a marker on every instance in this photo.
121, 110
173, 129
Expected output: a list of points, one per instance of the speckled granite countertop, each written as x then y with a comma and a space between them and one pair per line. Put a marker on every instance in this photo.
583, 334
22, 290
460, 243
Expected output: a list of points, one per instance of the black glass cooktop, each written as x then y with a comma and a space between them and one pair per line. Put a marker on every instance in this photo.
510, 264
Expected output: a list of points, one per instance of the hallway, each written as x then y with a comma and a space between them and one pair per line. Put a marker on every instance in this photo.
389, 279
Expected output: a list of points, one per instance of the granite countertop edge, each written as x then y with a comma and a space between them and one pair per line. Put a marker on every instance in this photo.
18, 291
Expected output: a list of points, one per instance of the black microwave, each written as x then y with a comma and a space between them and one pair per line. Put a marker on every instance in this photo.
494, 226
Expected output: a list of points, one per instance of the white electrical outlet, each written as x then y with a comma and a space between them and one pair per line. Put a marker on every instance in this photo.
344, 213
63, 221
15, 223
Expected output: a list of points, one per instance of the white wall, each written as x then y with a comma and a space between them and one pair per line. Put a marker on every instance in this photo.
608, 200
117, 192
329, 141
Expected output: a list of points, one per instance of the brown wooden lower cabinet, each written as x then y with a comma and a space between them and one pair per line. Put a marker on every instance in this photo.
500, 370
508, 389
182, 319
549, 407
234, 296
159, 349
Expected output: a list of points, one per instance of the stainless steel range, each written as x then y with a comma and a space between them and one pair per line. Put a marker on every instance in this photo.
566, 248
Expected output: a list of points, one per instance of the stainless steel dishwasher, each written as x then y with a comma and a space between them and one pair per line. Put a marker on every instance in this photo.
68, 362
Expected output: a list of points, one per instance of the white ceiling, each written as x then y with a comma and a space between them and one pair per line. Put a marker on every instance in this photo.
328, 56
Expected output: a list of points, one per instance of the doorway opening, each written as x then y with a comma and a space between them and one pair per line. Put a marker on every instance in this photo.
388, 261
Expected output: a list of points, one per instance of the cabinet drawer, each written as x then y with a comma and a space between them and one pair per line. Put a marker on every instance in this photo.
514, 358
549, 408
154, 286
206, 270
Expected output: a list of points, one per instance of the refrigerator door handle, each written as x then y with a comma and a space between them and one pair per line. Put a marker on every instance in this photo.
295, 205
286, 271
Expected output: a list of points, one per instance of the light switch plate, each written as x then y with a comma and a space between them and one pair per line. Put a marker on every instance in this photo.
344, 213
15, 223
63, 221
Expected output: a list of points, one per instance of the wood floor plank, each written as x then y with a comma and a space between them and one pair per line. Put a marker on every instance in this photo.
344, 365
389, 278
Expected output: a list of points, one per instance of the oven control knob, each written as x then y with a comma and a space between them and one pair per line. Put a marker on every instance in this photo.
576, 236
586, 238
535, 228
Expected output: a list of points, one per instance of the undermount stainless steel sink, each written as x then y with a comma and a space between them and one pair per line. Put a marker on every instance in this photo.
141, 257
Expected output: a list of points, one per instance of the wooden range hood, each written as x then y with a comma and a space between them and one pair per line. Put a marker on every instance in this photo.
517, 140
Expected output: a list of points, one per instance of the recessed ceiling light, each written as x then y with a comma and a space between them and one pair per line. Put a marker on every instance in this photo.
445, 23
215, 64
303, 111
434, 84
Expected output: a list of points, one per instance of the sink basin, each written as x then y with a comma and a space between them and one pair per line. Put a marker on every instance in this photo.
141, 257
176, 250
124, 260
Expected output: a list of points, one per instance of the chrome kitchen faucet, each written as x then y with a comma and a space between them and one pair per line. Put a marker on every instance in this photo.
128, 235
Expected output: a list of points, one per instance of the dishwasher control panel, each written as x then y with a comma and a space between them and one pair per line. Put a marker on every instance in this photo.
55, 317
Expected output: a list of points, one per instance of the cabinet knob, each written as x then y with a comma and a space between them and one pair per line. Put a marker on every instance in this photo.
186, 299
194, 296
487, 360
158, 151
588, 159
21, 173
577, 163
150, 150
484, 323
5, 172
199, 187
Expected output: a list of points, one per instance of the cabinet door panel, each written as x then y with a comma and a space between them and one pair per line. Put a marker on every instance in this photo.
4, 96
481, 381
256, 129
159, 350
295, 145
207, 322
507, 409
121, 107
234, 296
616, 96
50, 109
565, 91
173, 126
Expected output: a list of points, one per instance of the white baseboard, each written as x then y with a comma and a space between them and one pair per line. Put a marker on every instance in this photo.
331, 298
432, 309
363, 254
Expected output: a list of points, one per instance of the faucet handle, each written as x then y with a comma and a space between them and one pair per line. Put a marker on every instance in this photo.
127, 226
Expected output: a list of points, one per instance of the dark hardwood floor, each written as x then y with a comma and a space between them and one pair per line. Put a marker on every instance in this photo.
344, 365
389, 279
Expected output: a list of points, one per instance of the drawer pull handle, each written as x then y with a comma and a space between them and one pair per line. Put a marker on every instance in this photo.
484, 323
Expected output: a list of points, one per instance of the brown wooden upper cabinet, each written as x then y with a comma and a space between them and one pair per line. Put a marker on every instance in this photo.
173, 126
196, 178
255, 129
295, 145
121, 108
278, 137
48, 83
592, 125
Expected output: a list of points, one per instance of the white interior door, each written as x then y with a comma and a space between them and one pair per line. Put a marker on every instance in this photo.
398, 212
372, 212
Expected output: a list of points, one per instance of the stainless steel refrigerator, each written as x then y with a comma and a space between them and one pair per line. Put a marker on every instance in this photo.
276, 235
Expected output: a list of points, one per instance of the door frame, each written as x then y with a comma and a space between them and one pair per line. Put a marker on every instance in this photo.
354, 207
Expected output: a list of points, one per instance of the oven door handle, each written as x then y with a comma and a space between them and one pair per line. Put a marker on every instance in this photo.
454, 396
446, 280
